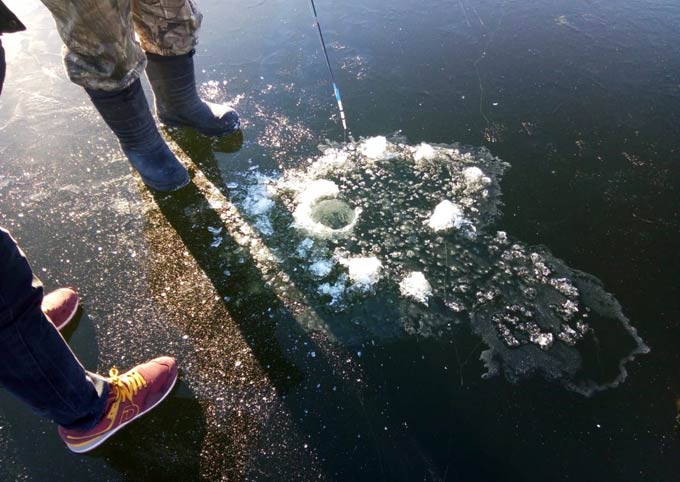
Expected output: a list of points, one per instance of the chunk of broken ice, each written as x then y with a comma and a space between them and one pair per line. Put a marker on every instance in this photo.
373, 147
445, 216
364, 272
543, 340
424, 152
475, 178
415, 286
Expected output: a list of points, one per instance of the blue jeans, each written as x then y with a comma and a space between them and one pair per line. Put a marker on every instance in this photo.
36, 364
2, 66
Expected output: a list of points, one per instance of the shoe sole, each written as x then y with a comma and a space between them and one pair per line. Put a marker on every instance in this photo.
69, 318
167, 187
96, 443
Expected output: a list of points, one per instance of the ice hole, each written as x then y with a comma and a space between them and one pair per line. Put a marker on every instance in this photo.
334, 213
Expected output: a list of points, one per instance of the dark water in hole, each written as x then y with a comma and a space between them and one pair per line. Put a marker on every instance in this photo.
580, 98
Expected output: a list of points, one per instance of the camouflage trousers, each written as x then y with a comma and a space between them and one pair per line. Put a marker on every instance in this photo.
101, 50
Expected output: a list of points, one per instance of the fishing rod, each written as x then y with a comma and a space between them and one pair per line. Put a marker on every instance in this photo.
336, 91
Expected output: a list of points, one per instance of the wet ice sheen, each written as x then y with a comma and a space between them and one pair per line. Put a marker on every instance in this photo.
387, 240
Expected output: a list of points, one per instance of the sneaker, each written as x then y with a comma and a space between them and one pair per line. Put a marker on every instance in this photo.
60, 306
131, 395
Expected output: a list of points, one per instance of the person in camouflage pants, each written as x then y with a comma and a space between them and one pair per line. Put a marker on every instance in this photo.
100, 50
102, 54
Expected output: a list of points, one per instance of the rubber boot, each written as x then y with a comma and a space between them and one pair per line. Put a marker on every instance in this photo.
127, 114
177, 102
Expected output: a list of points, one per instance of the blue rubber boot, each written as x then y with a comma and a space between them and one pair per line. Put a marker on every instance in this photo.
177, 101
127, 114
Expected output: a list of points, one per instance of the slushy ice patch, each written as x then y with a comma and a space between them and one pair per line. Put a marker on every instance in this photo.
386, 240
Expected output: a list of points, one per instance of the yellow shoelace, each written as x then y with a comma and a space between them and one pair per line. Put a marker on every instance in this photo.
126, 386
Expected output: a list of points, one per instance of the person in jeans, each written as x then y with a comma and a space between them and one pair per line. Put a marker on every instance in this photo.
102, 54
37, 365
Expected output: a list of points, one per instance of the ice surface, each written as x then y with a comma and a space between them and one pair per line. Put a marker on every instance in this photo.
387, 240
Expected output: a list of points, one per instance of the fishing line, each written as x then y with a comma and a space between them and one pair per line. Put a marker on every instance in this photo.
336, 91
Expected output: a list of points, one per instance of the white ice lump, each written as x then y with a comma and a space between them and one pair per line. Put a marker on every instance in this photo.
446, 215
364, 272
415, 286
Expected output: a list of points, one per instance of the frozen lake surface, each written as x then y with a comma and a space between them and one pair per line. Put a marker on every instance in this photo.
480, 285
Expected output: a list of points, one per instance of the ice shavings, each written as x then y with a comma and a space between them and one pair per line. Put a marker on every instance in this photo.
316, 190
421, 226
336, 291
264, 226
475, 178
543, 340
217, 239
258, 203
322, 267
304, 247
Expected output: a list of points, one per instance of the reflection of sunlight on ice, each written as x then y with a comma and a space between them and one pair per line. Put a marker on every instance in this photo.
355, 65
218, 91
280, 134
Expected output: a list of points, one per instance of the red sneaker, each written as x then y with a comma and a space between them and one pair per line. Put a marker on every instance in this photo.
60, 306
131, 395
